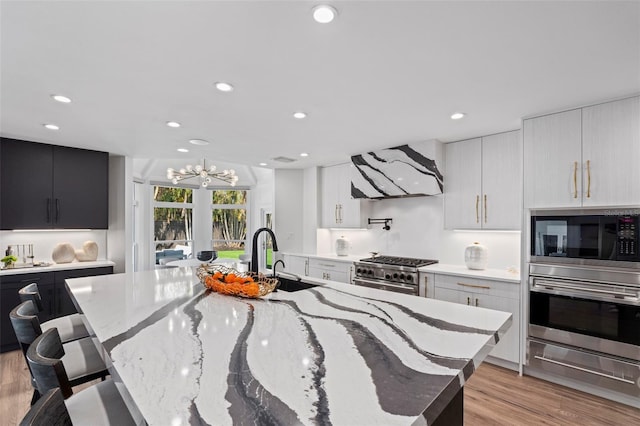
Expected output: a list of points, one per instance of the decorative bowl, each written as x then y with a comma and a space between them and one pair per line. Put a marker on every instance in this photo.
225, 280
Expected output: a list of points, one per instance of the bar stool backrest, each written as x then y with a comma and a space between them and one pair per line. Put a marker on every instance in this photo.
31, 292
50, 410
44, 358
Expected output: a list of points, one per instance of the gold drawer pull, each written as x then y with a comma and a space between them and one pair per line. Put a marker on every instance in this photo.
486, 287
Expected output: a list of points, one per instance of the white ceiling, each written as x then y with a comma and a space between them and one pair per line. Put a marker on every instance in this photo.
384, 73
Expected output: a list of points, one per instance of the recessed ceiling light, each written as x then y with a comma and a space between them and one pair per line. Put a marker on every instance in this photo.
224, 87
183, 150
51, 126
61, 98
263, 164
324, 13
299, 115
304, 154
457, 115
173, 124
200, 142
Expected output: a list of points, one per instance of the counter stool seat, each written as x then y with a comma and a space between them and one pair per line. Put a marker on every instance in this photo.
97, 405
71, 327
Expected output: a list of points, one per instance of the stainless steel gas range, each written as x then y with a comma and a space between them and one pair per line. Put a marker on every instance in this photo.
398, 274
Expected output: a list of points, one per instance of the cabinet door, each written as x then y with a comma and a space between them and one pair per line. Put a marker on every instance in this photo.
351, 211
553, 160
611, 153
502, 181
329, 177
80, 190
449, 295
26, 172
508, 348
297, 265
463, 185
63, 303
9, 299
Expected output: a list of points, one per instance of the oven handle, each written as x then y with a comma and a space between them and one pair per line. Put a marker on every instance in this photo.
586, 370
547, 286
413, 289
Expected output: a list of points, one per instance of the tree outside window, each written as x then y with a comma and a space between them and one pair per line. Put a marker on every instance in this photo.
229, 222
172, 222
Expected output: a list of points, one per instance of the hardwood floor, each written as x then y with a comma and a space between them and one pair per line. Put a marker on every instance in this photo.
493, 396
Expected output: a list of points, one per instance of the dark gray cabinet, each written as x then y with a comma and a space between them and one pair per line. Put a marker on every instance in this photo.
9, 299
56, 300
47, 186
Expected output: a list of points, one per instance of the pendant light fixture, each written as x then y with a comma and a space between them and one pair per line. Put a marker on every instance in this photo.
204, 172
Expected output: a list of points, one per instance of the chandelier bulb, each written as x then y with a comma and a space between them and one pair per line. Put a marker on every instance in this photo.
189, 167
232, 172
212, 168
182, 171
205, 184
208, 179
198, 168
174, 180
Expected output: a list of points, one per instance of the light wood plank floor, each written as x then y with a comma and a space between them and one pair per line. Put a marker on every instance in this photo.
493, 396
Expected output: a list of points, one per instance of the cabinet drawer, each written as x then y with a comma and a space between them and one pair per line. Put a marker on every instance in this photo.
329, 265
480, 286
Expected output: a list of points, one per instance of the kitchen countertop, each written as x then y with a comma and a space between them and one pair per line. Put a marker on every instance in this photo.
337, 353
57, 267
489, 274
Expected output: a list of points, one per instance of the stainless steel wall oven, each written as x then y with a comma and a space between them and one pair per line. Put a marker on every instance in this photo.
584, 324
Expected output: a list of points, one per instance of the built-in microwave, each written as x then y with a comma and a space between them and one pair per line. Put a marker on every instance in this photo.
607, 237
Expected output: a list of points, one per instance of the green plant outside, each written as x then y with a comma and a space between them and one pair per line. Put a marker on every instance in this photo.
235, 254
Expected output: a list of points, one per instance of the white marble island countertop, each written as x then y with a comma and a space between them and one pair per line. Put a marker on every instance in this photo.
334, 354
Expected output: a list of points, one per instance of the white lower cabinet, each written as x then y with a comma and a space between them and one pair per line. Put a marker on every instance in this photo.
298, 265
497, 295
330, 270
325, 269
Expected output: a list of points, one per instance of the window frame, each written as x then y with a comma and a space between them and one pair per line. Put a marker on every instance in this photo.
246, 207
171, 205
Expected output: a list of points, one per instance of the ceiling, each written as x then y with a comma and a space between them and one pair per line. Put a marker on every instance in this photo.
384, 73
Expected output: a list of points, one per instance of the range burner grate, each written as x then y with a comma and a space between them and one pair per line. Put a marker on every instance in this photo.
399, 261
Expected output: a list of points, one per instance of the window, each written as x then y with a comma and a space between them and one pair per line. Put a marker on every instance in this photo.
229, 222
172, 223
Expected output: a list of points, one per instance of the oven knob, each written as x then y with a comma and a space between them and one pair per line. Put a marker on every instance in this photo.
387, 277
358, 271
370, 272
402, 276
395, 276
409, 278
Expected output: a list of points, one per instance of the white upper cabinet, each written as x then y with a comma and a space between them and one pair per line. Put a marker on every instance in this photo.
483, 183
463, 184
611, 153
553, 160
583, 157
339, 209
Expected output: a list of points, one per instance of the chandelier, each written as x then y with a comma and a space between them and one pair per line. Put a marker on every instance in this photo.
206, 174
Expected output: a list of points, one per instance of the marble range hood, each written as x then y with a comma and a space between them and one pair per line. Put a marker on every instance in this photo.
402, 171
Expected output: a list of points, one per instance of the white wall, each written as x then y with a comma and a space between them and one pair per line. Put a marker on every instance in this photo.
310, 209
120, 234
44, 241
288, 210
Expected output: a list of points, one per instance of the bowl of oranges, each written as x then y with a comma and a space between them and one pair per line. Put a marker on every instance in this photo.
226, 280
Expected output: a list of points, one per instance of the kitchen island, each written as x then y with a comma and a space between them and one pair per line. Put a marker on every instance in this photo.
333, 354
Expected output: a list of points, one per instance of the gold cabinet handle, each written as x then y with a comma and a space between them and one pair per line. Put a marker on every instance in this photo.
335, 212
477, 213
468, 300
486, 287
485, 208
588, 178
476, 301
575, 179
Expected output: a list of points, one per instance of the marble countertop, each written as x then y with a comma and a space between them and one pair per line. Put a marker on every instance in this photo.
488, 274
57, 267
335, 354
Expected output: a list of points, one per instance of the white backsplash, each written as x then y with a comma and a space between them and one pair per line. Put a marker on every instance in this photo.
44, 241
417, 231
